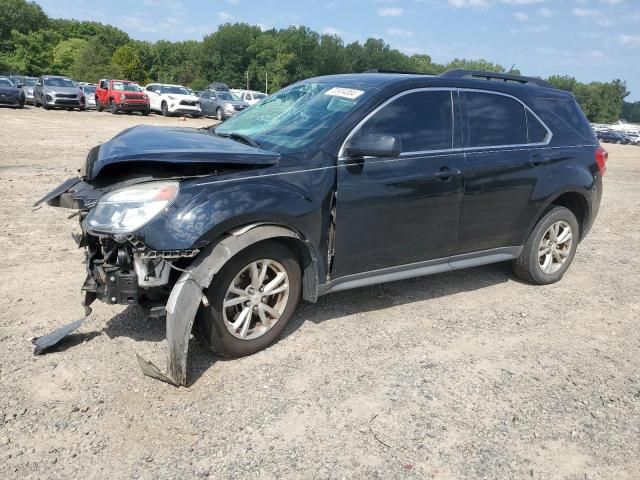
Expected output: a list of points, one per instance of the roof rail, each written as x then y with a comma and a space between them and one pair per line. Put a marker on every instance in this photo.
505, 77
380, 70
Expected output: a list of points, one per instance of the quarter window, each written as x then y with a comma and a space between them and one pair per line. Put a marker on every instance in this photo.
495, 120
537, 132
422, 120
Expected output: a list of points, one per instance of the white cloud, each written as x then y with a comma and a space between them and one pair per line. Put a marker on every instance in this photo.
399, 32
523, 17
225, 17
625, 39
331, 31
469, 3
390, 12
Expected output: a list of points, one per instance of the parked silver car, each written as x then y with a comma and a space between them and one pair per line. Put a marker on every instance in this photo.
89, 90
58, 92
220, 104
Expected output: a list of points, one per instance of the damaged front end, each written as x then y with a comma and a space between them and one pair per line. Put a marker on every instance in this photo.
131, 186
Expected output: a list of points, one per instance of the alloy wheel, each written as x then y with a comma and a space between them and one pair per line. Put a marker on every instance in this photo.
555, 247
256, 299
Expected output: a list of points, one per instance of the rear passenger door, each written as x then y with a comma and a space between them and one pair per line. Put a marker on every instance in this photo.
505, 150
396, 211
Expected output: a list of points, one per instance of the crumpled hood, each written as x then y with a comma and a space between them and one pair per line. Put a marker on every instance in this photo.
148, 145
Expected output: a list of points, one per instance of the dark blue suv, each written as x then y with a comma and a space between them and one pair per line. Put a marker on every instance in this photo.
333, 183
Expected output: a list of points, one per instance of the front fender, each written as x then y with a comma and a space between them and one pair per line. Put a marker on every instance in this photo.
187, 294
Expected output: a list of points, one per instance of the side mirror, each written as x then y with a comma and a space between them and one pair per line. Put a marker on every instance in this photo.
374, 146
19, 85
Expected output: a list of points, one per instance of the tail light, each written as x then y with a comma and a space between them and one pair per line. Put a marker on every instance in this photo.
601, 160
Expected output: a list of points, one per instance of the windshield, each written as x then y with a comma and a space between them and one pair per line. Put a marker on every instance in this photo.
5, 82
295, 116
58, 82
222, 95
174, 89
125, 87
30, 82
259, 96
88, 89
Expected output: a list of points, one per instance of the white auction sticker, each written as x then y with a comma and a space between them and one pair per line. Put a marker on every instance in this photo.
349, 93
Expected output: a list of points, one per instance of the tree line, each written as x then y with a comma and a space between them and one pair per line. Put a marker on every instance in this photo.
238, 54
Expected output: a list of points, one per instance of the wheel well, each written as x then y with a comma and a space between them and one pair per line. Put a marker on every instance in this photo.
308, 265
578, 206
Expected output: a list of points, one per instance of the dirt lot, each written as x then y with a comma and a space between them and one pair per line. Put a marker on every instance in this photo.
467, 374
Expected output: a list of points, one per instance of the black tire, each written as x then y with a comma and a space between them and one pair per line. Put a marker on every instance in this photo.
46, 107
113, 108
145, 113
82, 109
99, 106
164, 108
219, 114
211, 322
527, 266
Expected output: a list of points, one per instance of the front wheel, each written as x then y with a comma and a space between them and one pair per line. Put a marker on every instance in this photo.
99, 106
550, 248
113, 107
219, 114
164, 108
251, 299
145, 113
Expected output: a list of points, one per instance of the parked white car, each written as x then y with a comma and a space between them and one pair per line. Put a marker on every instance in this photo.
251, 96
172, 100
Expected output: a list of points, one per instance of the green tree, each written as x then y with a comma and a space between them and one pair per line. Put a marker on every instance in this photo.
631, 112
270, 60
127, 64
32, 52
22, 16
65, 55
563, 82
93, 63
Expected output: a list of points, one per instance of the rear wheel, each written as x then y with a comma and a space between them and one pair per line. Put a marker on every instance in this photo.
251, 299
550, 248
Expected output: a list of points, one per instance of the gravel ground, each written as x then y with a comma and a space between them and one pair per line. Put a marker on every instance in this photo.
470, 374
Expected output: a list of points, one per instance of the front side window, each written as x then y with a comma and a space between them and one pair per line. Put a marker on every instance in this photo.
495, 120
422, 121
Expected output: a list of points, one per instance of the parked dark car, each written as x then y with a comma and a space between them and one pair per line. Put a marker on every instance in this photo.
53, 91
610, 136
333, 183
11, 94
220, 104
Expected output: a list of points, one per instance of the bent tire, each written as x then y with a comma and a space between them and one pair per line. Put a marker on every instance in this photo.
252, 298
550, 248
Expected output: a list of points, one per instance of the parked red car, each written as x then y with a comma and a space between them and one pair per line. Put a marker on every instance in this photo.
121, 96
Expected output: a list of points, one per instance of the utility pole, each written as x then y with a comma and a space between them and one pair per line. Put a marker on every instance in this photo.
247, 72
266, 83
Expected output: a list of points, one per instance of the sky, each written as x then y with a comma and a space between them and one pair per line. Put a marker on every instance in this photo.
592, 40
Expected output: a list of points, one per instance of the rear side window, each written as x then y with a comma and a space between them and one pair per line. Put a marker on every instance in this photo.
422, 120
536, 131
495, 120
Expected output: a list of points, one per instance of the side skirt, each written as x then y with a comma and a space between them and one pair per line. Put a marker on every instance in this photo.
419, 269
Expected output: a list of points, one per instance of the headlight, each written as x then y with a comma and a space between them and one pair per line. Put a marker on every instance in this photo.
123, 97
228, 106
128, 209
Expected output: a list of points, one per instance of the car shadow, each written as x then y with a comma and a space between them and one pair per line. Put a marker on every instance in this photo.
132, 323
387, 295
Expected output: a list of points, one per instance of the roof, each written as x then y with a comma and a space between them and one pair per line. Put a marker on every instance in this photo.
506, 83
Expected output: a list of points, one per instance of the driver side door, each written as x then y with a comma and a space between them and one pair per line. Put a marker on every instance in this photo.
399, 211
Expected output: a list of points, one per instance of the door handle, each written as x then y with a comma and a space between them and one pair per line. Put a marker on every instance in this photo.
538, 159
445, 173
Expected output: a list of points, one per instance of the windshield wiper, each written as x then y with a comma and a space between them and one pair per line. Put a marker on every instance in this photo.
246, 139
